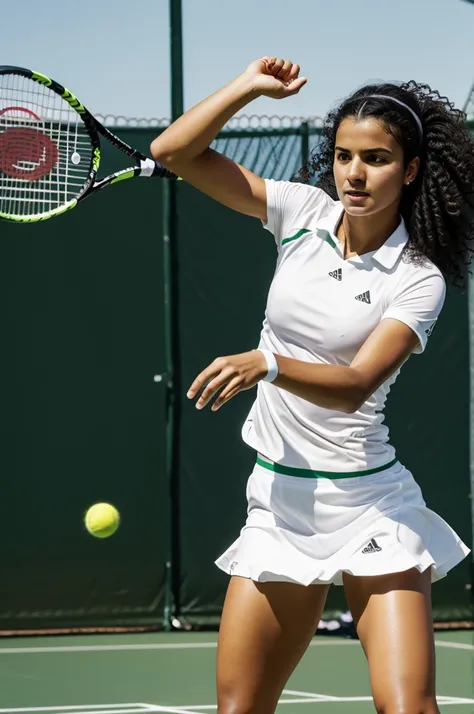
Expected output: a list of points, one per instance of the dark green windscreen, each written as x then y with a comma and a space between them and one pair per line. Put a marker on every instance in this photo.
82, 420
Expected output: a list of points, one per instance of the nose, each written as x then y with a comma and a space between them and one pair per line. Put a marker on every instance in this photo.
356, 171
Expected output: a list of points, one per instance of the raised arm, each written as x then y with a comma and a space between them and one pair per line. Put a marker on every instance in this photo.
184, 146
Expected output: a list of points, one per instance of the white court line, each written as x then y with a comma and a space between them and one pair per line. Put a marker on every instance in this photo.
109, 648
86, 707
325, 700
312, 695
188, 646
440, 700
303, 700
162, 707
296, 700
159, 708
103, 709
154, 646
329, 641
197, 708
454, 645
173, 710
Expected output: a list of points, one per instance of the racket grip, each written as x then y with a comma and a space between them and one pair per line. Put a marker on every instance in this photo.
161, 172
148, 167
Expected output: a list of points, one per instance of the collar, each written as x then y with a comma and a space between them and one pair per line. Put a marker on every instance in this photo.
387, 255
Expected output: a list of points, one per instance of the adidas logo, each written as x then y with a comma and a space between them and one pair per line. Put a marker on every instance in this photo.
364, 297
372, 547
336, 274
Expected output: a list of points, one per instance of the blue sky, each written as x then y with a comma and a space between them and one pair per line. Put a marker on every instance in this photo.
115, 56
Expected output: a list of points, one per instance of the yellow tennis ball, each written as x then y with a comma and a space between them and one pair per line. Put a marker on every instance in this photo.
102, 520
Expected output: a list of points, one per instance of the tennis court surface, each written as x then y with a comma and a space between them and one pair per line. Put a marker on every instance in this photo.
140, 673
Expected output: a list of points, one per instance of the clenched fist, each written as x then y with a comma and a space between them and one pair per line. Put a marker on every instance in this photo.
274, 77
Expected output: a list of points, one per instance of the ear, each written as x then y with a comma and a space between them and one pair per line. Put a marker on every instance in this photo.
412, 170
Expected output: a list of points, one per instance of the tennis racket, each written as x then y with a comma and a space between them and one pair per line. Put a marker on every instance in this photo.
50, 149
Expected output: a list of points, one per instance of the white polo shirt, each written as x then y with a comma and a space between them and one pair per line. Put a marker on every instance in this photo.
321, 309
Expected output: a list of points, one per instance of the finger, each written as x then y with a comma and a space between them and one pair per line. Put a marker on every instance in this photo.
285, 70
293, 73
295, 86
202, 378
227, 393
276, 67
269, 62
213, 386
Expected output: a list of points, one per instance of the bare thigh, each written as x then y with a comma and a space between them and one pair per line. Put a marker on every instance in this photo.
265, 629
394, 623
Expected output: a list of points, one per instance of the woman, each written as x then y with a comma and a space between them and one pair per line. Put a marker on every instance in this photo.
358, 288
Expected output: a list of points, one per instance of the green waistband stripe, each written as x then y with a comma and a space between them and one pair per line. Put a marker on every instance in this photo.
308, 473
296, 236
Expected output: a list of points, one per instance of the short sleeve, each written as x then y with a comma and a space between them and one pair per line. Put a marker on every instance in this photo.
293, 207
418, 303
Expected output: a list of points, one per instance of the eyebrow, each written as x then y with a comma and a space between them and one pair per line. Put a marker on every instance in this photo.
379, 149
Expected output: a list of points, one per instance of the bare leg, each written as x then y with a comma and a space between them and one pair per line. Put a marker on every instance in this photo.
265, 629
393, 618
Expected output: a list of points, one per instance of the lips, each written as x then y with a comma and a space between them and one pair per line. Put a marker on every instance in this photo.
357, 193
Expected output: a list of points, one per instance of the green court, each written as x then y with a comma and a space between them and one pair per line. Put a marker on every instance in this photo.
140, 673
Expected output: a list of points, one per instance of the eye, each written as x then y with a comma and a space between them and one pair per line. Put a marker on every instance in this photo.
375, 159
343, 156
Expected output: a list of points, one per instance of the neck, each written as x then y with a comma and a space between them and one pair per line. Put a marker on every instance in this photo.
365, 234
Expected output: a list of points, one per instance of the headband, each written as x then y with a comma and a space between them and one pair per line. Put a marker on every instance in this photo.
405, 106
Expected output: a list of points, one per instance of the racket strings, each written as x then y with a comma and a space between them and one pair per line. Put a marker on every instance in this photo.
45, 149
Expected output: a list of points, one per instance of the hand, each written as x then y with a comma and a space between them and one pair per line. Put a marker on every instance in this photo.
235, 373
274, 77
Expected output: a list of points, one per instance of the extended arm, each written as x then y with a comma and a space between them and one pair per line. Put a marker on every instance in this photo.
184, 146
333, 387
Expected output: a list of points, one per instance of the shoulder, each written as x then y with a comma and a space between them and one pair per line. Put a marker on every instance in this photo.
302, 194
417, 296
421, 275
294, 206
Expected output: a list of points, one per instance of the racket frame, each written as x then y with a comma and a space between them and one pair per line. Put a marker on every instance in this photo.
145, 166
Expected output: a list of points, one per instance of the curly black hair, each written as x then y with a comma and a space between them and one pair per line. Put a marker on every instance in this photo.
438, 207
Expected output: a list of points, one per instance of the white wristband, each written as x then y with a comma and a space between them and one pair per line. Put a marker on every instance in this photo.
272, 365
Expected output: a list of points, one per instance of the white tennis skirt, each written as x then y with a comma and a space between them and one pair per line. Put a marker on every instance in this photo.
312, 530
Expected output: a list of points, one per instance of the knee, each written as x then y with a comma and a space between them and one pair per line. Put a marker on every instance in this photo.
243, 703
235, 705
428, 706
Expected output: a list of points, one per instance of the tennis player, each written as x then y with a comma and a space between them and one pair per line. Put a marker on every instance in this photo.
358, 287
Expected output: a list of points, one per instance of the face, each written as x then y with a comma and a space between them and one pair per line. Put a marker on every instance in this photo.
368, 167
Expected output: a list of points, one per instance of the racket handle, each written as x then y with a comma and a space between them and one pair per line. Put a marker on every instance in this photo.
161, 172
148, 167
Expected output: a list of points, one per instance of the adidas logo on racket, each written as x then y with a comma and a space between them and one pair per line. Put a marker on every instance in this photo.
372, 547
